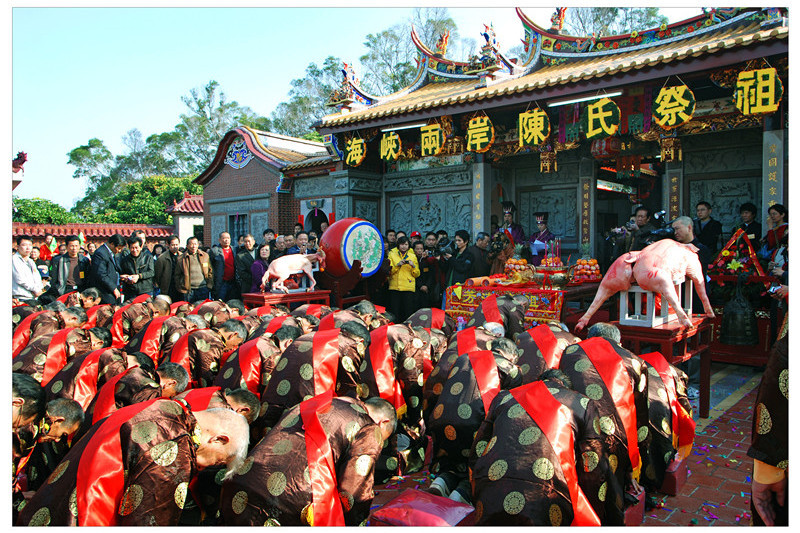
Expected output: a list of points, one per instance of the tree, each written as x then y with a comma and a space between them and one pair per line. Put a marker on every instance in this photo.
143, 201
307, 98
389, 64
41, 211
583, 21
92, 161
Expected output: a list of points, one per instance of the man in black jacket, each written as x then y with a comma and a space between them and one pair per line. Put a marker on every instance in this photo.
244, 259
165, 269
70, 270
706, 229
458, 266
137, 270
104, 271
480, 254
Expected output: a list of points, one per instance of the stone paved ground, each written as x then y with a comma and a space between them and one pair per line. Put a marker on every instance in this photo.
717, 491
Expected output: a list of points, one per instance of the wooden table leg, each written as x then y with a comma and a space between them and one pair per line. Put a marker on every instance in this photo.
705, 383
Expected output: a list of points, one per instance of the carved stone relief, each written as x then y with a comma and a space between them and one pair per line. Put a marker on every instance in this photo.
725, 197
450, 211
343, 207
368, 210
716, 161
240, 206
218, 225
313, 187
428, 179
400, 212
258, 223
560, 204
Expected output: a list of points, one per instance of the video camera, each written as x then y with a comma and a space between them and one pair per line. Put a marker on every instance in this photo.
448, 247
664, 231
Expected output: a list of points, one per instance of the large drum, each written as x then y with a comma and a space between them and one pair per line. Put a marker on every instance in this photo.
352, 239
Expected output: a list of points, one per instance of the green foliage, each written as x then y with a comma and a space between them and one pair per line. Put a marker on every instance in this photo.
307, 98
143, 201
583, 21
41, 211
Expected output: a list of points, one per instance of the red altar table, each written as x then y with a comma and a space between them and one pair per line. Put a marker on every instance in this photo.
677, 343
545, 304
257, 299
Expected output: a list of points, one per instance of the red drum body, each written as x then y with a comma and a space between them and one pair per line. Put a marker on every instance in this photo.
352, 239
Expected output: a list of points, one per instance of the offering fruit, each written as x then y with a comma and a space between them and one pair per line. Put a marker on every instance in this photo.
587, 270
516, 262
552, 261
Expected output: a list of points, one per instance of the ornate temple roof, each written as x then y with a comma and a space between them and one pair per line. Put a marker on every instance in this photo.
558, 65
276, 150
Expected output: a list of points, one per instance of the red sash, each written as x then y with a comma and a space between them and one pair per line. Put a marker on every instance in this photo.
490, 310
91, 316
427, 365
22, 334
86, 379
117, 333
106, 403
327, 508
485, 369
546, 340
180, 355
140, 299
683, 424
553, 419
175, 305
101, 477
263, 310
327, 322
379, 308
612, 371
64, 297
250, 364
56, 355
151, 339
325, 357
380, 356
437, 318
196, 309
465, 341
200, 399
314, 310
276, 323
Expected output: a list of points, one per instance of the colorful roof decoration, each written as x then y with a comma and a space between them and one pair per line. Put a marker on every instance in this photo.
190, 204
90, 231
241, 145
554, 64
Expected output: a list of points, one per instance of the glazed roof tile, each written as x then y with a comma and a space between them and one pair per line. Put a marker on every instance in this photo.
89, 230
191, 204
435, 95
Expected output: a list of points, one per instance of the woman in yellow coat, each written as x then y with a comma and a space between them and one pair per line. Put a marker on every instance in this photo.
402, 279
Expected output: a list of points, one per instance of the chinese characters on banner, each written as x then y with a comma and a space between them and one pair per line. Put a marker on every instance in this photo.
480, 134
674, 196
534, 127
390, 146
586, 208
773, 169
758, 91
356, 152
431, 140
674, 106
600, 119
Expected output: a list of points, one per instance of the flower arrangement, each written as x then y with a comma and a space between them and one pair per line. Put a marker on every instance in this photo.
736, 257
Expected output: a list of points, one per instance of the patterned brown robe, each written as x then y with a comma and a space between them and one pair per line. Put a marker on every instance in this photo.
512, 311
459, 412
435, 382
266, 321
770, 432
424, 319
273, 486
31, 360
111, 362
46, 322
517, 478
214, 312
586, 380
230, 373
134, 319
292, 380
407, 352
105, 314
531, 361
158, 457
172, 329
18, 314
205, 350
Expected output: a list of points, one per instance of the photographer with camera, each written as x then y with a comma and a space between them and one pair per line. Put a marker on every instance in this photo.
402, 279
643, 228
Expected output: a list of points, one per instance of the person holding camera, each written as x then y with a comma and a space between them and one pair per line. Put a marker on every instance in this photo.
643, 228
457, 263
402, 284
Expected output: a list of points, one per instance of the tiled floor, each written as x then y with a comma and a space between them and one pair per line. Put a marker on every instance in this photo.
717, 491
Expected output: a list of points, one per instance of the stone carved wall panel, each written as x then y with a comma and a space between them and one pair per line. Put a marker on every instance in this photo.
258, 223
725, 197
560, 204
454, 176
219, 223
366, 209
450, 211
736, 159
313, 187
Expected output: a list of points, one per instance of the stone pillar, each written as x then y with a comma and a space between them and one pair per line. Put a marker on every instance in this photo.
481, 198
772, 168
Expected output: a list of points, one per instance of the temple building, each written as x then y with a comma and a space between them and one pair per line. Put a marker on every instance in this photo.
584, 128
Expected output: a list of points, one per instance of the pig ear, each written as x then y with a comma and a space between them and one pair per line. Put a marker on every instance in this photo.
692, 247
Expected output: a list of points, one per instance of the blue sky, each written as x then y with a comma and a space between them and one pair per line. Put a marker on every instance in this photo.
79, 73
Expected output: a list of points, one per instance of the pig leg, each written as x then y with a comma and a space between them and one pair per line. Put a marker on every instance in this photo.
279, 284
700, 289
307, 270
618, 278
